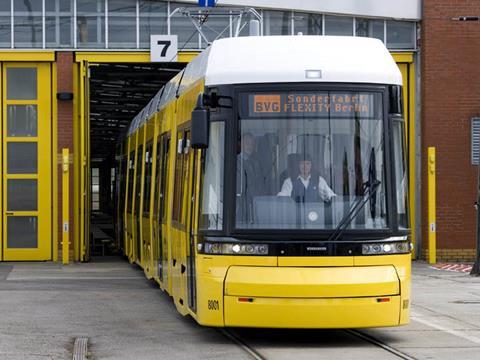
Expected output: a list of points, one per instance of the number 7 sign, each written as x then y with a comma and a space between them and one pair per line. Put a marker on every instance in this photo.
163, 48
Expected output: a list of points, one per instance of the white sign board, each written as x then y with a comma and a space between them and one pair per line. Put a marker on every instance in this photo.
163, 48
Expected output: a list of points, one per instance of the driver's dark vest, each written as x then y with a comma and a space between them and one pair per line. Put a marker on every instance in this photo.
302, 194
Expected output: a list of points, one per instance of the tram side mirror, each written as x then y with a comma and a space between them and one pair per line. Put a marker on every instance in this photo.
200, 125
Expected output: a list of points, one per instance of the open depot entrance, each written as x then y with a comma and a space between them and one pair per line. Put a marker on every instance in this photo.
116, 93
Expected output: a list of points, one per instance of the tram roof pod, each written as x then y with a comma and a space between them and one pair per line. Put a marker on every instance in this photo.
268, 59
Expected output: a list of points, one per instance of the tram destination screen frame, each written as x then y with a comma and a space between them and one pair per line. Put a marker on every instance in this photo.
311, 104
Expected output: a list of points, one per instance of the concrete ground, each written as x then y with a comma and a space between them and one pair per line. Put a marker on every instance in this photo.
45, 306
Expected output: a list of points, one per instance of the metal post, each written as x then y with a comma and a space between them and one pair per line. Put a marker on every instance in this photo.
65, 206
432, 226
476, 267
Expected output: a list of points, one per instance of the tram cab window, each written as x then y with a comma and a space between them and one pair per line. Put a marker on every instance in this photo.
304, 159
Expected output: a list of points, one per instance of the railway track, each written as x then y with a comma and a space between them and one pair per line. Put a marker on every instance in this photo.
258, 355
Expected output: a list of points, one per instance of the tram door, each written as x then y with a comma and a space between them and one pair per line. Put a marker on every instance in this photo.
26, 120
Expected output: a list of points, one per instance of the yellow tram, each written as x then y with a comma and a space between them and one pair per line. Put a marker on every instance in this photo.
265, 185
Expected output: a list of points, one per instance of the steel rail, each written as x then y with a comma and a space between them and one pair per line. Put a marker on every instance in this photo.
372, 340
356, 333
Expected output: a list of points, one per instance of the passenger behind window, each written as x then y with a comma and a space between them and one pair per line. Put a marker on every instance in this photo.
304, 187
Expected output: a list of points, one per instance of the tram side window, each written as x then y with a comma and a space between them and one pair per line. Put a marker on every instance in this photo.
131, 169
122, 183
178, 188
184, 204
138, 183
211, 217
158, 174
164, 176
401, 174
147, 179
161, 177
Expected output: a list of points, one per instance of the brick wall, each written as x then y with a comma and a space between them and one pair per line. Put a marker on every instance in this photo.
65, 134
450, 52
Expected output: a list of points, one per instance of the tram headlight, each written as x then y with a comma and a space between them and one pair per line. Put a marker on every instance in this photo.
233, 249
402, 247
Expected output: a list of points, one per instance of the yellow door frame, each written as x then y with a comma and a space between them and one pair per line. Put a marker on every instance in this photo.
44, 176
81, 133
407, 68
41, 56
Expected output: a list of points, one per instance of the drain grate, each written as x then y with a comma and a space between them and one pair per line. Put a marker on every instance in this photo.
80, 349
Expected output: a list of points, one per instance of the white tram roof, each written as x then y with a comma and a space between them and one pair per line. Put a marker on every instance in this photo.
281, 59
267, 59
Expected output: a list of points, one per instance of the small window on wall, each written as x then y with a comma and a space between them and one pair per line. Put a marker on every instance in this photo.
400, 35
277, 23
338, 25
308, 24
5, 24
122, 24
27, 23
188, 37
59, 23
370, 28
90, 24
95, 189
153, 20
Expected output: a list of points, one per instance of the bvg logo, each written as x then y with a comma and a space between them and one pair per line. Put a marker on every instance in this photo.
266, 103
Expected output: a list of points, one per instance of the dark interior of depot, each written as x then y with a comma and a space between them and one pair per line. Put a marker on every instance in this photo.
118, 92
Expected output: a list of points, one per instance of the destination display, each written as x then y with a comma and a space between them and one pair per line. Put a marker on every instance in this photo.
314, 104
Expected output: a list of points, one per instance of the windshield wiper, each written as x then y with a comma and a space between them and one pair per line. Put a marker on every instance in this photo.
369, 189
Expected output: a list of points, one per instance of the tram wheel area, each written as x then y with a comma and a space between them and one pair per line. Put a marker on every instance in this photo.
117, 92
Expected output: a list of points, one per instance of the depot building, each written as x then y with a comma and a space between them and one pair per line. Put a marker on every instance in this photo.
74, 73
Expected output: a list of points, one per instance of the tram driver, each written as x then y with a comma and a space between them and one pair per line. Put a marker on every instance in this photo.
305, 187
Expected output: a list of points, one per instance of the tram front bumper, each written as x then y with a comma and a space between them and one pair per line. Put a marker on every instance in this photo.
301, 297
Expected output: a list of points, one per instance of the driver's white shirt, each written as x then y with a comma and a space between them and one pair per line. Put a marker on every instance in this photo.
324, 190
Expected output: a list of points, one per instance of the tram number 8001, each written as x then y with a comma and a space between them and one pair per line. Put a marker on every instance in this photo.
213, 305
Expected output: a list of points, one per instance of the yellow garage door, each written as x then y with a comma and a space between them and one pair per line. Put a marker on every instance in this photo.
26, 171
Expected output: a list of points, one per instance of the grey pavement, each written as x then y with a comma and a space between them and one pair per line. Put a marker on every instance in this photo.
45, 306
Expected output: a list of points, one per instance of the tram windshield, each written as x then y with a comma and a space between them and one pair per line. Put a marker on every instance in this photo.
305, 159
